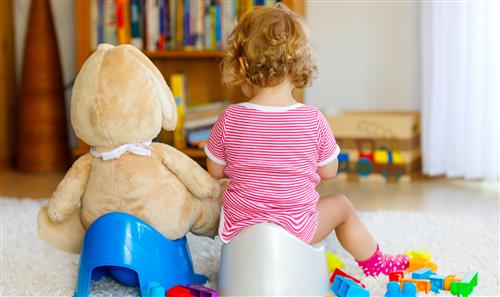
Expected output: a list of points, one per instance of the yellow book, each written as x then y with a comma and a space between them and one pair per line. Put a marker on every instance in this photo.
177, 84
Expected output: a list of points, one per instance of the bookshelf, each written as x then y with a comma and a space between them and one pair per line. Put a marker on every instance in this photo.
201, 67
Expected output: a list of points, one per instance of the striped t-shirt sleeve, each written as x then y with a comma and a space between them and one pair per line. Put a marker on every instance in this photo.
328, 150
215, 146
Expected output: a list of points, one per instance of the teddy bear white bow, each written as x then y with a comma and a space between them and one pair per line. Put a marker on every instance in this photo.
140, 148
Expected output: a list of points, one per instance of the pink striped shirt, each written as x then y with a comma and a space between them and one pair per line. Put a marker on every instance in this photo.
271, 156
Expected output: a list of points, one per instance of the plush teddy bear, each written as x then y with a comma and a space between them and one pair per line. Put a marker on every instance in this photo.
120, 102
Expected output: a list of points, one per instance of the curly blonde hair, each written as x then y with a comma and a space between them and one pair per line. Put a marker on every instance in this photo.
268, 45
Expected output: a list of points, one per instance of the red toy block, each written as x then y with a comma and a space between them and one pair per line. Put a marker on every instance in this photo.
179, 291
396, 275
342, 273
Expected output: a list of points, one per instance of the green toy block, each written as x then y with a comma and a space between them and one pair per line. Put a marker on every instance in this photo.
464, 288
333, 262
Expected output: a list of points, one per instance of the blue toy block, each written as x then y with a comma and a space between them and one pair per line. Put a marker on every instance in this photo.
135, 254
394, 290
422, 273
155, 290
437, 282
345, 287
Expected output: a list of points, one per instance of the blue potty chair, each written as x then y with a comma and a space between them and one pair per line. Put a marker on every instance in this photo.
135, 254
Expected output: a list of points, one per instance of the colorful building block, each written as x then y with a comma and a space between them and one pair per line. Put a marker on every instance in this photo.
423, 285
200, 291
346, 287
437, 282
420, 254
340, 272
396, 275
179, 291
333, 262
422, 273
465, 287
394, 290
418, 263
448, 280
154, 289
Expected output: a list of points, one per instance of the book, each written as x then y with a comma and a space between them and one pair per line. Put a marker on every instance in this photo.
178, 87
152, 24
135, 12
110, 24
156, 25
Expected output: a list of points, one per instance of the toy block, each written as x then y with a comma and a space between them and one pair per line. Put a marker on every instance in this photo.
179, 291
423, 285
333, 262
154, 289
340, 272
200, 291
346, 287
419, 254
396, 275
437, 282
422, 273
394, 290
448, 280
418, 263
466, 286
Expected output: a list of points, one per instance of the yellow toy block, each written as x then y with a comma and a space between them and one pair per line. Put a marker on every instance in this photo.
423, 285
333, 262
420, 254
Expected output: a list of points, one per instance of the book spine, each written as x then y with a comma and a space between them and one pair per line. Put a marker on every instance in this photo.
135, 23
218, 25
173, 22
186, 22
152, 26
162, 38
120, 21
213, 40
94, 24
100, 21
180, 24
110, 22
207, 25
177, 83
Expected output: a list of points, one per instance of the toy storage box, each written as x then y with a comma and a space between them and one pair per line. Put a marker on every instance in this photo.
378, 145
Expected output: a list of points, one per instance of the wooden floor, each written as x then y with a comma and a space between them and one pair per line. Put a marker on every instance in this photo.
438, 195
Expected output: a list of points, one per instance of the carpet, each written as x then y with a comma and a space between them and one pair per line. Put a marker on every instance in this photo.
30, 267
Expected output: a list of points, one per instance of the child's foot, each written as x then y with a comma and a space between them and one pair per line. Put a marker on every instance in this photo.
382, 263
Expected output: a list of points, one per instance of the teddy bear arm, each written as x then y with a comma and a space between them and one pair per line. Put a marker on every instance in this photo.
190, 173
68, 193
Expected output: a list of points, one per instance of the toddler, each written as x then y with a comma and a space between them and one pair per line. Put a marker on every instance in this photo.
274, 150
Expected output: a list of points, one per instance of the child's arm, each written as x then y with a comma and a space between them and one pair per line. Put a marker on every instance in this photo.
215, 170
329, 170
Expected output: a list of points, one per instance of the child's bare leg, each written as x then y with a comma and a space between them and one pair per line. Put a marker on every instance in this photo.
336, 212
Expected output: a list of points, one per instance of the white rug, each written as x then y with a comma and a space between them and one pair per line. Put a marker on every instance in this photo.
30, 267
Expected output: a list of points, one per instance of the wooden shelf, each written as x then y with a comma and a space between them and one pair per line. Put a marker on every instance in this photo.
180, 54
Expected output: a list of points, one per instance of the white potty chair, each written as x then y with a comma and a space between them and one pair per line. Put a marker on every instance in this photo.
266, 260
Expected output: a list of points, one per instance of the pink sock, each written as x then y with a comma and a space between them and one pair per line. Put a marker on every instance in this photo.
381, 263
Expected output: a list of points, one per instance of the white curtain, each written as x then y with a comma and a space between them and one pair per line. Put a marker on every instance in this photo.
460, 88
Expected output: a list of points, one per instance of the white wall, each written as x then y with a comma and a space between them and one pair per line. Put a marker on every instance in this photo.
367, 54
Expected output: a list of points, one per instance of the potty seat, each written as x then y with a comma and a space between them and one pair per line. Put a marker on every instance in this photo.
266, 260
134, 253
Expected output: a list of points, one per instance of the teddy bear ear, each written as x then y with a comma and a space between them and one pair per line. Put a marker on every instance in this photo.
164, 95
